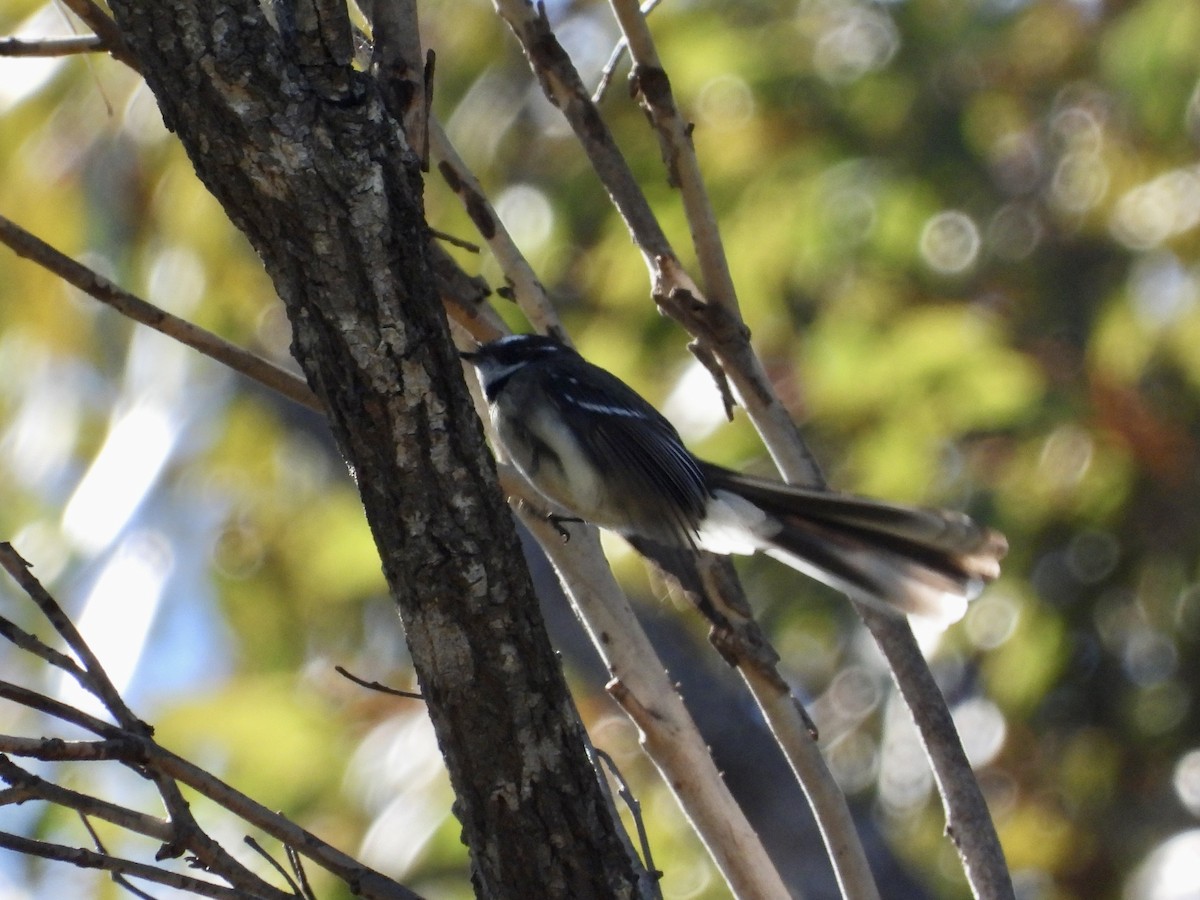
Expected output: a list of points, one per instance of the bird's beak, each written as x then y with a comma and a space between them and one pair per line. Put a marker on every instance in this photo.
469, 355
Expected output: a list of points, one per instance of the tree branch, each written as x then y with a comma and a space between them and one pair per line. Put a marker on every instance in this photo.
25, 244
40, 789
642, 687
90, 859
131, 743
95, 18
968, 822
399, 66
526, 289
719, 328
51, 46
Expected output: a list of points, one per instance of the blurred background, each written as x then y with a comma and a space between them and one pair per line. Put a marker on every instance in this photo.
965, 239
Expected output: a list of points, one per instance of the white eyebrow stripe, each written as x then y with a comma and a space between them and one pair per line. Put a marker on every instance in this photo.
498, 372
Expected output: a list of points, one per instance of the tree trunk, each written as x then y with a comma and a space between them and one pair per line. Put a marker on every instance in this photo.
304, 156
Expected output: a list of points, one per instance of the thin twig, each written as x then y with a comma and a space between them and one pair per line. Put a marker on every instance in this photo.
134, 746
23, 640
296, 861
635, 810
968, 822
122, 749
58, 709
15, 796
117, 877
187, 833
565, 89
84, 804
25, 244
89, 859
455, 241
614, 59
376, 686
92, 677
273, 862
527, 291
461, 295
675, 140
789, 724
369, 884
95, 18
51, 46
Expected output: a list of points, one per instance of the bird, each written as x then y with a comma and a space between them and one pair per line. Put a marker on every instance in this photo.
594, 447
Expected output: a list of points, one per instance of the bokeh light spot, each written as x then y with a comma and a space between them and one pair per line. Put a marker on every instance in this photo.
858, 40
983, 729
950, 242
527, 215
1170, 872
725, 102
1187, 781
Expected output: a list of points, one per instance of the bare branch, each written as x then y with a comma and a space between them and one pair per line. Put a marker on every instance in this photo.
92, 678
400, 68
635, 810
272, 862
296, 861
376, 686
89, 859
131, 743
23, 640
711, 584
618, 53
95, 18
469, 246
652, 86
96, 285
39, 789
790, 726
565, 89
462, 296
370, 884
122, 749
51, 46
527, 290
117, 877
58, 709
642, 687
968, 822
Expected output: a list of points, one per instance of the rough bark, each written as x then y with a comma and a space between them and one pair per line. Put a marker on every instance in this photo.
306, 160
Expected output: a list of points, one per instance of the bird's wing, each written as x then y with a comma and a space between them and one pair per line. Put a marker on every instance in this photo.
662, 484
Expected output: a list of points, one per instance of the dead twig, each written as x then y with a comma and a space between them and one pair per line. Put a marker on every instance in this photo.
129, 741
376, 686
51, 46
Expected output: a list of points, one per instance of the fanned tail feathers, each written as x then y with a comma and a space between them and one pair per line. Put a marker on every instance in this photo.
927, 562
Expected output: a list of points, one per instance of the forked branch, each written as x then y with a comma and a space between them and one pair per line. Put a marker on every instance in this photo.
128, 741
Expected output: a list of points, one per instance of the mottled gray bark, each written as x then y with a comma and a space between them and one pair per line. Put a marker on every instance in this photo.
307, 160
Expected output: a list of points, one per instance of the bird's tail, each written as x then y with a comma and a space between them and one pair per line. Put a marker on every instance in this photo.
927, 562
